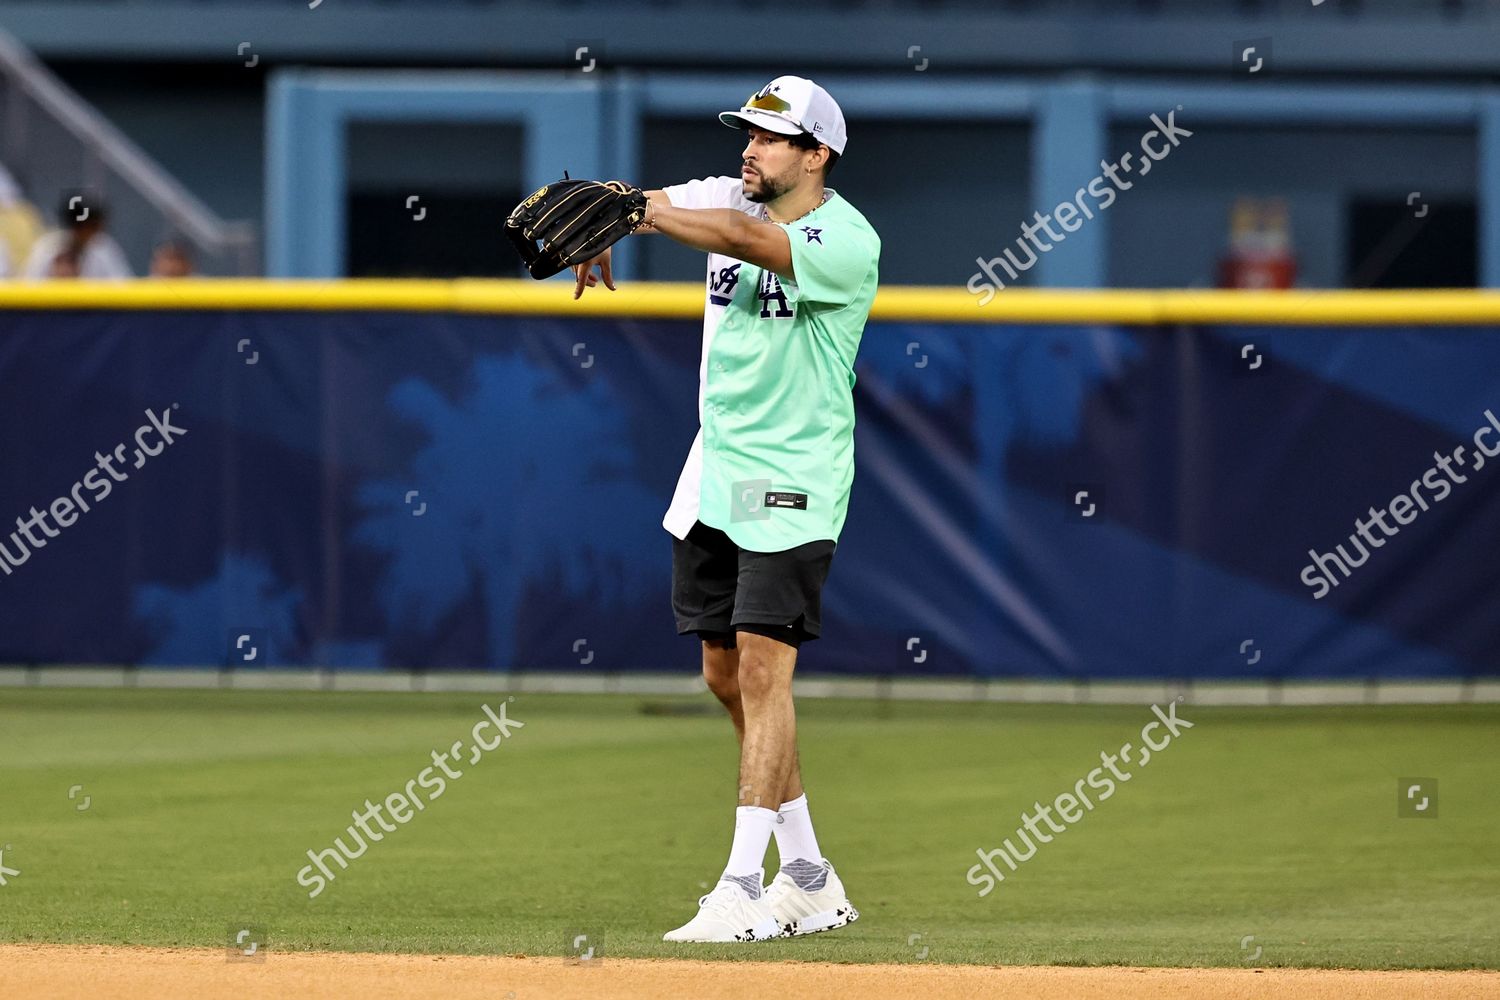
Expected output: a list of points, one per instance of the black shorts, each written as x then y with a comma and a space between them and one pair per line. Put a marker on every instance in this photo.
719, 588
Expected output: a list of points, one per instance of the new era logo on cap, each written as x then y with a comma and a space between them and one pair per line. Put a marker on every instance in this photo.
789, 105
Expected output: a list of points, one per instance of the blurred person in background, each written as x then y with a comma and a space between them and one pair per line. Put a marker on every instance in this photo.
171, 259
81, 217
1260, 252
20, 225
65, 264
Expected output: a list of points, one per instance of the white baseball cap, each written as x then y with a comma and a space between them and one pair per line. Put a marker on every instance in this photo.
790, 105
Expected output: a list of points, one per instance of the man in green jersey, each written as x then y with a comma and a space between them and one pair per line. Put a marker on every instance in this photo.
792, 271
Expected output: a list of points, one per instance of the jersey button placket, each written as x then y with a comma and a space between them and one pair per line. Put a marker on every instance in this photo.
712, 408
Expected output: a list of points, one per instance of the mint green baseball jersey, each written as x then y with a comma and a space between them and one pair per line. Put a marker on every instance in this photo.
775, 459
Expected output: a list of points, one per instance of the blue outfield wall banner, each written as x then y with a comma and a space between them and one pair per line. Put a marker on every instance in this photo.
372, 489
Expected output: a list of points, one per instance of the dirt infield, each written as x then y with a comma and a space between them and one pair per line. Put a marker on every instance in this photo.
47, 971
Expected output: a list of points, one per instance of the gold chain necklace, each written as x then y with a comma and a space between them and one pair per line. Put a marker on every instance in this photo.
827, 193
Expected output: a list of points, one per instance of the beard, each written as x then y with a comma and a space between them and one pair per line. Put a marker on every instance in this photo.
771, 188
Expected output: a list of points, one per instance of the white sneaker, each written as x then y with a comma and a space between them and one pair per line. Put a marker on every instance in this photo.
808, 897
730, 913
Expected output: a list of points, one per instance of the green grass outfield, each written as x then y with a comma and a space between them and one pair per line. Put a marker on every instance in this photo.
610, 814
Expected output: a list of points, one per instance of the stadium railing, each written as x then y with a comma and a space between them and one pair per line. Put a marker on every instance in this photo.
53, 141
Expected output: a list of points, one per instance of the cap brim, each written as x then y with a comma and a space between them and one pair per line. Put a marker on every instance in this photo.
746, 117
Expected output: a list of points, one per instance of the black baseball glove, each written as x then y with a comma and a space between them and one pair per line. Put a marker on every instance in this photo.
570, 221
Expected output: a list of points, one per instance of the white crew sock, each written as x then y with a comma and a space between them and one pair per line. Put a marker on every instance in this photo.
794, 832
747, 855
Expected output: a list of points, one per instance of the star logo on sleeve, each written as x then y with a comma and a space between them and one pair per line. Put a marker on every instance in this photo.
813, 235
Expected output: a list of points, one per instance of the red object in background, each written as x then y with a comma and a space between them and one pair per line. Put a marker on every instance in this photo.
1260, 247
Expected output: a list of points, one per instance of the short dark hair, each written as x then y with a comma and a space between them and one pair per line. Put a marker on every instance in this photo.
804, 141
87, 207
